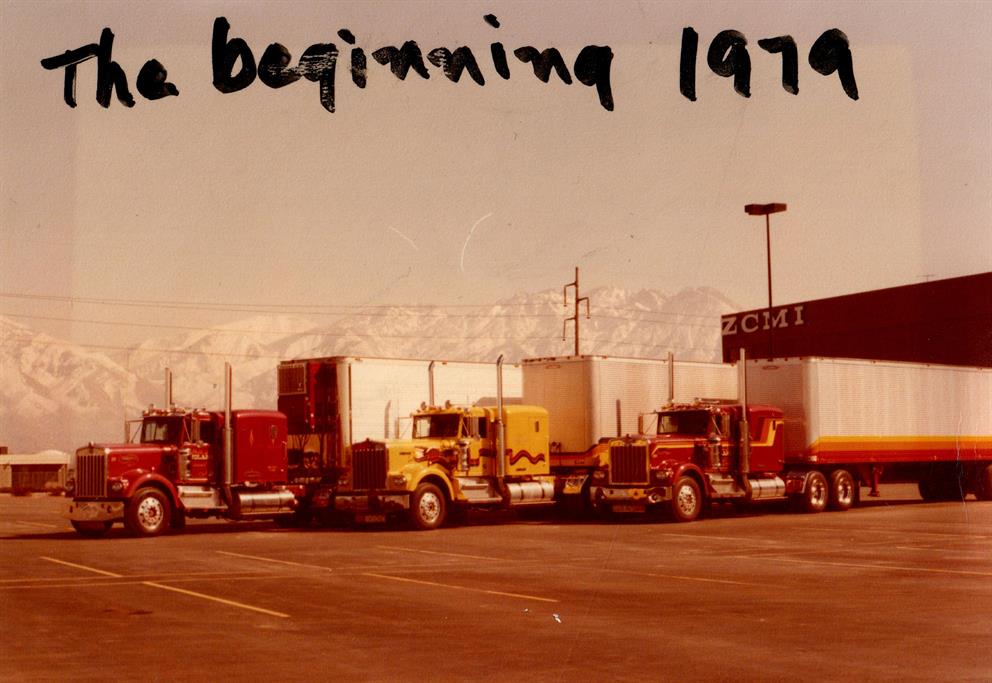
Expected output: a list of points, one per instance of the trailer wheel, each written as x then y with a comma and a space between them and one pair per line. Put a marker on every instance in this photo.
816, 494
942, 484
687, 502
928, 488
983, 485
92, 529
148, 513
841, 490
427, 507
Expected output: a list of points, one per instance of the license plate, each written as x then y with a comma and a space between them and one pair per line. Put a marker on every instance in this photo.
628, 507
370, 519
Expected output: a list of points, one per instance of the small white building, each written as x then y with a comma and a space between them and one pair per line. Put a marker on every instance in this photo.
44, 471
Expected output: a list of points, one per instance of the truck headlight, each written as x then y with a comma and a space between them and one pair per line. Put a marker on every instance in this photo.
117, 485
397, 480
663, 474
599, 475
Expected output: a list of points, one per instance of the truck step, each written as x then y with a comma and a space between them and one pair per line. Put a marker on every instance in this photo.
725, 487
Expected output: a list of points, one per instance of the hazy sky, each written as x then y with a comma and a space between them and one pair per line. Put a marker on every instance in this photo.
428, 191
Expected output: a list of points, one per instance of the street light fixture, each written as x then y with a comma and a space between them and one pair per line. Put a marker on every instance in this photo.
766, 210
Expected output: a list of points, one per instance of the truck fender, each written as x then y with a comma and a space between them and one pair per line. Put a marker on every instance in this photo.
138, 479
690, 470
437, 476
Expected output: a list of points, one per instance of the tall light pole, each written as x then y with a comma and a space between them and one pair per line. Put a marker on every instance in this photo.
766, 210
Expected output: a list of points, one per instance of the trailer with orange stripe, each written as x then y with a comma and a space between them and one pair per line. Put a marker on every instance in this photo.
820, 429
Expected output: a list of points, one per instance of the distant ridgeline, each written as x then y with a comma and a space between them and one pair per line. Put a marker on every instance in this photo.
727, 56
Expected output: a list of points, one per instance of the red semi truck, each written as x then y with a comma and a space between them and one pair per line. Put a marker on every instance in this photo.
819, 430
186, 463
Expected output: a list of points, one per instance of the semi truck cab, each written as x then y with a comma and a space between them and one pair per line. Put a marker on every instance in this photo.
700, 451
451, 463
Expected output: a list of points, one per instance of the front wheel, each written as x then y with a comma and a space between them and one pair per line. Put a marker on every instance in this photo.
427, 507
148, 513
687, 501
91, 529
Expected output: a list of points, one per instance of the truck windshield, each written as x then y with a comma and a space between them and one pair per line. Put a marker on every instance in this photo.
695, 422
161, 430
441, 425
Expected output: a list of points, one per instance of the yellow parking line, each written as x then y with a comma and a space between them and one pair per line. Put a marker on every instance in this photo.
80, 566
270, 559
215, 599
436, 552
461, 588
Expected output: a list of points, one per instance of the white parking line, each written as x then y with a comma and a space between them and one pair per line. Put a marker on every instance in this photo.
681, 577
80, 566
232, 603
436, 552
270, 559
881, 567
461, 588
153, 584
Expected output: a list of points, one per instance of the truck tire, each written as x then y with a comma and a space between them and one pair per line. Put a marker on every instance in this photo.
928, 488
687, 501
983, 485
148, 513
91, 529
816, 494
427, 507
842, 490
942, 484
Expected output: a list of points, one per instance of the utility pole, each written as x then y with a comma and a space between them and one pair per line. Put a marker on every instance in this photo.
575, 317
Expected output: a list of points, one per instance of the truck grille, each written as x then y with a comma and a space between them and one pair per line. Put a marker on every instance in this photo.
91, 475
368, 465
629, 464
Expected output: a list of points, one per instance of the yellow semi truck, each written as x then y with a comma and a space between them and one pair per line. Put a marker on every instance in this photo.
457, 458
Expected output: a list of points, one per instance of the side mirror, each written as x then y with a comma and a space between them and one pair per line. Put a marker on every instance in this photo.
714, 438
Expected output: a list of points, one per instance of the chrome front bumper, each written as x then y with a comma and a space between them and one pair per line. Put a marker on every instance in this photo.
93, 511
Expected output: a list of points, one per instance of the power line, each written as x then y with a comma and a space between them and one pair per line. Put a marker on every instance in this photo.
331, 309
135, 349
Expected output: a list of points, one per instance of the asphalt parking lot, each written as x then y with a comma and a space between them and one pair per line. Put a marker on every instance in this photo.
896, 590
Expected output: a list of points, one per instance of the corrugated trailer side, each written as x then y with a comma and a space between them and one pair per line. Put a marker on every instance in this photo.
855, 411
377, 394
384, 392
467, 384
592, 397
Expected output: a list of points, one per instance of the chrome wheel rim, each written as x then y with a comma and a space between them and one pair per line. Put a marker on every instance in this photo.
150, 512
686, 500
430, 507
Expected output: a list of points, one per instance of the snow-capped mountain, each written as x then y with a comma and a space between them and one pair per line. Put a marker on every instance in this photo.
54, 394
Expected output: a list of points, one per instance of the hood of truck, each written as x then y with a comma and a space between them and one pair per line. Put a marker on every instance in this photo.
678, 447
425, 450
125, 457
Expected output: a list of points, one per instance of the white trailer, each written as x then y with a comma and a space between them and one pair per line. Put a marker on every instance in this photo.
593, 397
336, 401
883, 420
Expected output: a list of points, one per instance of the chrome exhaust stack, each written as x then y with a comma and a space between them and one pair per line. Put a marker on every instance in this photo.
500, 431
228, 432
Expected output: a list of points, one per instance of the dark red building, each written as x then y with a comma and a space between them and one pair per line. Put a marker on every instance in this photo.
945, 321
